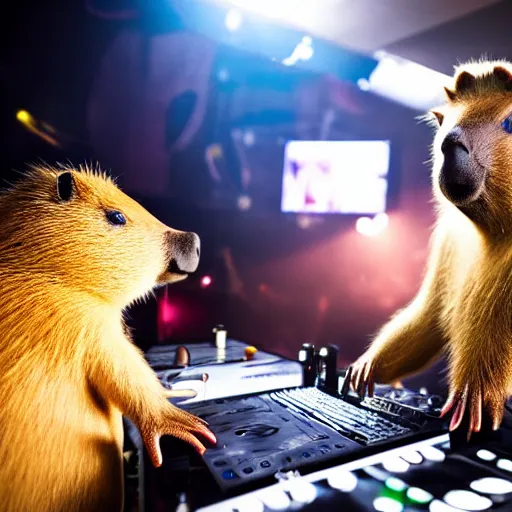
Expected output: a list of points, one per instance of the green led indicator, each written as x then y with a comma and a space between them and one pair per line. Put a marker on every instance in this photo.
419, 495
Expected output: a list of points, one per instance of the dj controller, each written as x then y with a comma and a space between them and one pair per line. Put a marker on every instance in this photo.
204, 366
426, 475
315, 445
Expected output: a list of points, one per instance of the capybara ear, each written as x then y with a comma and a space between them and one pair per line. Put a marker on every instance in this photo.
65, 186
465, 82
504, 76
451, 95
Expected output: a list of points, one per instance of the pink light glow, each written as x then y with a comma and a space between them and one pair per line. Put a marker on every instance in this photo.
206, 281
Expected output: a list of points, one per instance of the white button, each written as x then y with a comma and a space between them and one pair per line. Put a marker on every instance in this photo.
412, 456
433, 454
344, 481
419, 495
249, 504
302, 491
491, 485
395, 484
396, 465
385, 504
505, 464
275, 499
485, 455
467, 500
441, 506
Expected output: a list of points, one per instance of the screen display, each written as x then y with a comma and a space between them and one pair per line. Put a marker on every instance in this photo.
338, 177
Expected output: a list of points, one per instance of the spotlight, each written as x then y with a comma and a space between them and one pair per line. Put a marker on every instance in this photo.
304, 221
206, 281
380, 222
39, 128
233, 20
372, 227
244, 202
23, 117
306, 50
406, 82
364, 226
303, 51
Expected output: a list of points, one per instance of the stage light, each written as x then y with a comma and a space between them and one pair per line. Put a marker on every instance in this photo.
380, 222
168, 313
406, 82
41, 129
372, 227
306, 48
303, 51
364, 226
23, 117
244, 202
206, 281
233, 20
304, 221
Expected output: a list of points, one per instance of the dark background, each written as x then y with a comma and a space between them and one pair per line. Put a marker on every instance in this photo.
275, 283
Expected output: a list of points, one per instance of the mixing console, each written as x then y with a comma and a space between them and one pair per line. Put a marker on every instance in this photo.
259, 435
202, 367
319, 446
421, 476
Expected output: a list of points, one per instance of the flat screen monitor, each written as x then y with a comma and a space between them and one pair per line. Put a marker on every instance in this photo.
336, 177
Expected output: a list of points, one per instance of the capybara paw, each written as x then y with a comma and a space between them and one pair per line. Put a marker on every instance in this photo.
362, 375
475, 399
177, 423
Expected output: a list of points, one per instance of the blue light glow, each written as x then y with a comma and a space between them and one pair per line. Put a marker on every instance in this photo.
233, 20
303, 51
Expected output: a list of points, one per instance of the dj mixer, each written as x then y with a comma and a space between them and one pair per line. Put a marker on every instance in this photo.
262, 434
302, 429
319, 446
203, 367
426, 475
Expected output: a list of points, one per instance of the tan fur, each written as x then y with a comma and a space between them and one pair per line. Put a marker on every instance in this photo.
68, 370
464, 306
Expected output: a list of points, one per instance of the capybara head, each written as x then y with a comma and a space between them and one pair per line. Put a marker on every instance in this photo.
473, 144
77, 229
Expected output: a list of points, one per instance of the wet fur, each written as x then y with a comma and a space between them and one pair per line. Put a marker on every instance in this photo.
68, 370
464, 306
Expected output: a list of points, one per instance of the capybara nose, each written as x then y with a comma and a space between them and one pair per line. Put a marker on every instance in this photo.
184, 251
461, 178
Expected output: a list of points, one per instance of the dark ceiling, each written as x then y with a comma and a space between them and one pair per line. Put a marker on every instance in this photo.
485, 32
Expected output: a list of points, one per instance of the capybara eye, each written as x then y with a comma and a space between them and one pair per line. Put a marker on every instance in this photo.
116, 218
506, 124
